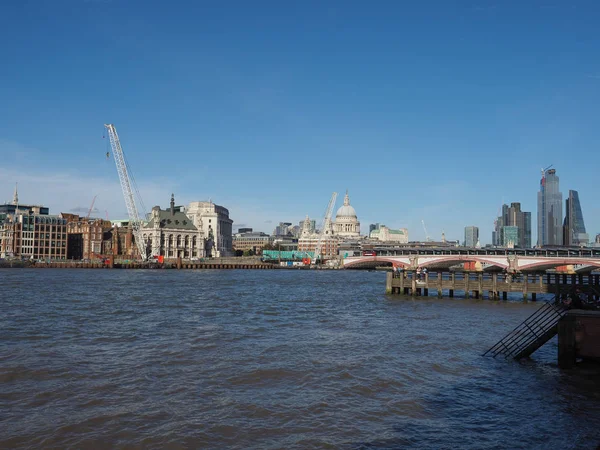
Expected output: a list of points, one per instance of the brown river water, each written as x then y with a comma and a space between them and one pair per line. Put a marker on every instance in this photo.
272, 360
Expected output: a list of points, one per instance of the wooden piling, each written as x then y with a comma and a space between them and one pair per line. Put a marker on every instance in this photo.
566, 342
388, 282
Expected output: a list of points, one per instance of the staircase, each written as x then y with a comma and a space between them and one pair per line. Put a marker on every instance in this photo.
530, 335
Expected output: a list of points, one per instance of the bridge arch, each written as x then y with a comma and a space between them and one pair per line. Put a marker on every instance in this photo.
374, 261
448, 261
545, 265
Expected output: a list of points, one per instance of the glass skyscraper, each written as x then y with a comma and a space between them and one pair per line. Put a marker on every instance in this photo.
549, 210
510, 236
573, 226
471, 236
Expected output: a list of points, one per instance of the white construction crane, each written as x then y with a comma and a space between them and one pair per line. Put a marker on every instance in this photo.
324, 228
427, 238
91, 207
135, 222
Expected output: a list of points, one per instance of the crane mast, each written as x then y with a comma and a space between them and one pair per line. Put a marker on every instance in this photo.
427, 238
325, 227
135, 222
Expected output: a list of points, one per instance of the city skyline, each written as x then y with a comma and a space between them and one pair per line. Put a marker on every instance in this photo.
438, 107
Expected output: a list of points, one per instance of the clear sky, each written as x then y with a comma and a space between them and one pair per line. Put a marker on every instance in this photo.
424, 110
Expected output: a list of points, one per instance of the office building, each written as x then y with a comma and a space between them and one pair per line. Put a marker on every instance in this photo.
471, 236
573, 227
509, 236
513, 216
385, 234
373, 226
214, 224
250, 241
550, 230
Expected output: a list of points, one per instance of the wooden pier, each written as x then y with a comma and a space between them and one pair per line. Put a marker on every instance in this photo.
495, 285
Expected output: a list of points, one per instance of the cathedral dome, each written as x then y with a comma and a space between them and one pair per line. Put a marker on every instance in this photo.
346, 220
345, 211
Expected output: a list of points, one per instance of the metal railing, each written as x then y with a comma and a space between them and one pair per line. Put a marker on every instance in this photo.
530, 334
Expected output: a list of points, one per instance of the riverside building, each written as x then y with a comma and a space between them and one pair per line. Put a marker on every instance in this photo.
385, 234
213, 222
174, 234
253, 241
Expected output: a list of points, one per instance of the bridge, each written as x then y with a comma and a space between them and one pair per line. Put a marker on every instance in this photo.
512, 260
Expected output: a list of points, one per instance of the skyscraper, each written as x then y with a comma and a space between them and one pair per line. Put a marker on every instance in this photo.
471, 236
373, 226
573, 226
513, 217
549, 210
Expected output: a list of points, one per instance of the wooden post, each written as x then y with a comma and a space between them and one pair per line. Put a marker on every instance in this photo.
439, 284
402, 275
480, 292
466, 280
525, 285
566, 342
388, 283
494, 286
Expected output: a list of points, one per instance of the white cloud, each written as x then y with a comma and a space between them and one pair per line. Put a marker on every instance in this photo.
66, 191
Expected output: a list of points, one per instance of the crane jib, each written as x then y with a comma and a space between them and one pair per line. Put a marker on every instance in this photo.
135, 222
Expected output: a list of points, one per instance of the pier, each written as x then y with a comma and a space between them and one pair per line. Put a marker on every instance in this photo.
494, 285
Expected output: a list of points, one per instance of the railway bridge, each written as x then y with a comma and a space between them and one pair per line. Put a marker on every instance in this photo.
511, 260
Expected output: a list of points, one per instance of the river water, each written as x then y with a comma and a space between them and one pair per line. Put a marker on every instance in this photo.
272, 360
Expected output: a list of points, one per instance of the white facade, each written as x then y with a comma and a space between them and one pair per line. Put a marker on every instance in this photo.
346, 221
213, 222
385, 234
173, 234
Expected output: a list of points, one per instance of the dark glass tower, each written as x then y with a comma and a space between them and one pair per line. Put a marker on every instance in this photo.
549, 210
573, 226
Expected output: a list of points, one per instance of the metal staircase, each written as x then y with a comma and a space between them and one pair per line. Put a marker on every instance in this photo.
531, 334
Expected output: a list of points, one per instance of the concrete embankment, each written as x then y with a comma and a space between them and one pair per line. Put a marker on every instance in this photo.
212, 263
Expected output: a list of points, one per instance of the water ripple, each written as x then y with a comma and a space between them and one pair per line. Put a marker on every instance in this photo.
270, 360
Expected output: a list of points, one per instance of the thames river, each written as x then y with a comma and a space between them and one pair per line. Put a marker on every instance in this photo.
272, 360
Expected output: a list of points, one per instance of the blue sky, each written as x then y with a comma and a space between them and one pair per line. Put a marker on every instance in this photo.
432, 111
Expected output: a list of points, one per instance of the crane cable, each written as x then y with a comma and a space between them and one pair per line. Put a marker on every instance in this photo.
135, 187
